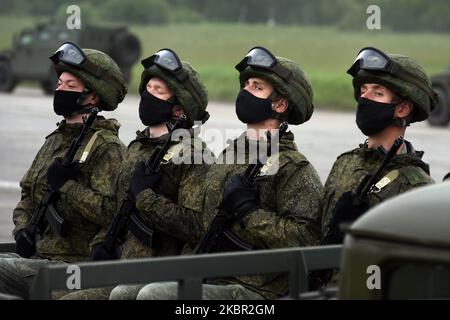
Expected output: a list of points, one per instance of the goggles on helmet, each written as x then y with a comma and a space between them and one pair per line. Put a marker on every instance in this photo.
260, 57
70, 53
169, 61
372, 59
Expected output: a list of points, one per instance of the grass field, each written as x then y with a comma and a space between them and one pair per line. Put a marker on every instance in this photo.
324, 53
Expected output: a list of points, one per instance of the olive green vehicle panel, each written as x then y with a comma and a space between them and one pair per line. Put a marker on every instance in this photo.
392, 258
418, 217
407, 238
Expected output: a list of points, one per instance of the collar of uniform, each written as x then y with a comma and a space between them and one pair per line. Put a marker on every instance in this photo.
409, 156
64, 128
364, 147
100, 123
286, 142
144, 137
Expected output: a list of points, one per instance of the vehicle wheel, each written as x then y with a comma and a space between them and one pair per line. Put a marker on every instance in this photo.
49, 85
441, 113
7, 80
126, 49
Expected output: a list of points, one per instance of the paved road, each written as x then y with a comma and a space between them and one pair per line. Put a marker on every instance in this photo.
27, 117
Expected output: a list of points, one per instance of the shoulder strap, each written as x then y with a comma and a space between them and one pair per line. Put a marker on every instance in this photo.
383, 182
88, 147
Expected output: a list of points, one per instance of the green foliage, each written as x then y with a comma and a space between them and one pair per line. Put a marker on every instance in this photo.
137, 11
399, 15
184, 15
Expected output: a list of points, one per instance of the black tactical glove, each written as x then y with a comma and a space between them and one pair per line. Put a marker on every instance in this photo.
100, 253
141, 181
25, 243
347, 209
58, 174
239, 198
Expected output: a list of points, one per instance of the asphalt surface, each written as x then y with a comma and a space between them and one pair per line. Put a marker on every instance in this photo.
27, 117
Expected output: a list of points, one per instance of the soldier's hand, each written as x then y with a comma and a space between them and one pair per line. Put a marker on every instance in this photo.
141, 181
58, 174
347, 210
99, 253
239, 198
25, 244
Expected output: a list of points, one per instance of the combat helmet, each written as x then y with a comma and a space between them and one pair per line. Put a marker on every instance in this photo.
403, 75
182, 79
285, 75
98, 71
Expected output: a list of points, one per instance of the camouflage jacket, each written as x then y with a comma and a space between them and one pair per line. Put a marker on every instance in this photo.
88, 203
174, 177
288, 217
351, 167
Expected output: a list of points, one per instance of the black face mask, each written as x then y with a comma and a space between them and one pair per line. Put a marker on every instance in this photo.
153, 110
65, 103
251, 109
373, 117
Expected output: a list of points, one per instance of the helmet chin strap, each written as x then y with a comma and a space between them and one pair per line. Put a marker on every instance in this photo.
83, 96
402, 123
85, 108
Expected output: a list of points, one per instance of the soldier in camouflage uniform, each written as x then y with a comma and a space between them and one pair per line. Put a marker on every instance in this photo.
163, 99
87, 190
280, 211
392, 91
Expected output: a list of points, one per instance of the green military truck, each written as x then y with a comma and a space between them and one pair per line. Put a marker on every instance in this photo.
441, 114
28, 57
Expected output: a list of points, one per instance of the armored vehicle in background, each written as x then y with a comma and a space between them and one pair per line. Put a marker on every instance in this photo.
441, 114
28, 57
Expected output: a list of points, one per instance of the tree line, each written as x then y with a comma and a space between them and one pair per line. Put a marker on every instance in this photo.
397, 15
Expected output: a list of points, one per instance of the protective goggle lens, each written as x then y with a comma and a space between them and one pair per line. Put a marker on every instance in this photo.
260, 57
69, 53
257, 57
164, 58
369, 59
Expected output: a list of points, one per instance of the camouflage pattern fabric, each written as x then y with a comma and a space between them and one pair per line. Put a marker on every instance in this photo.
174, 176
88, 203
351, 167
17, 273
88, 294
164, 244
169, 291
125, 292
288, 216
